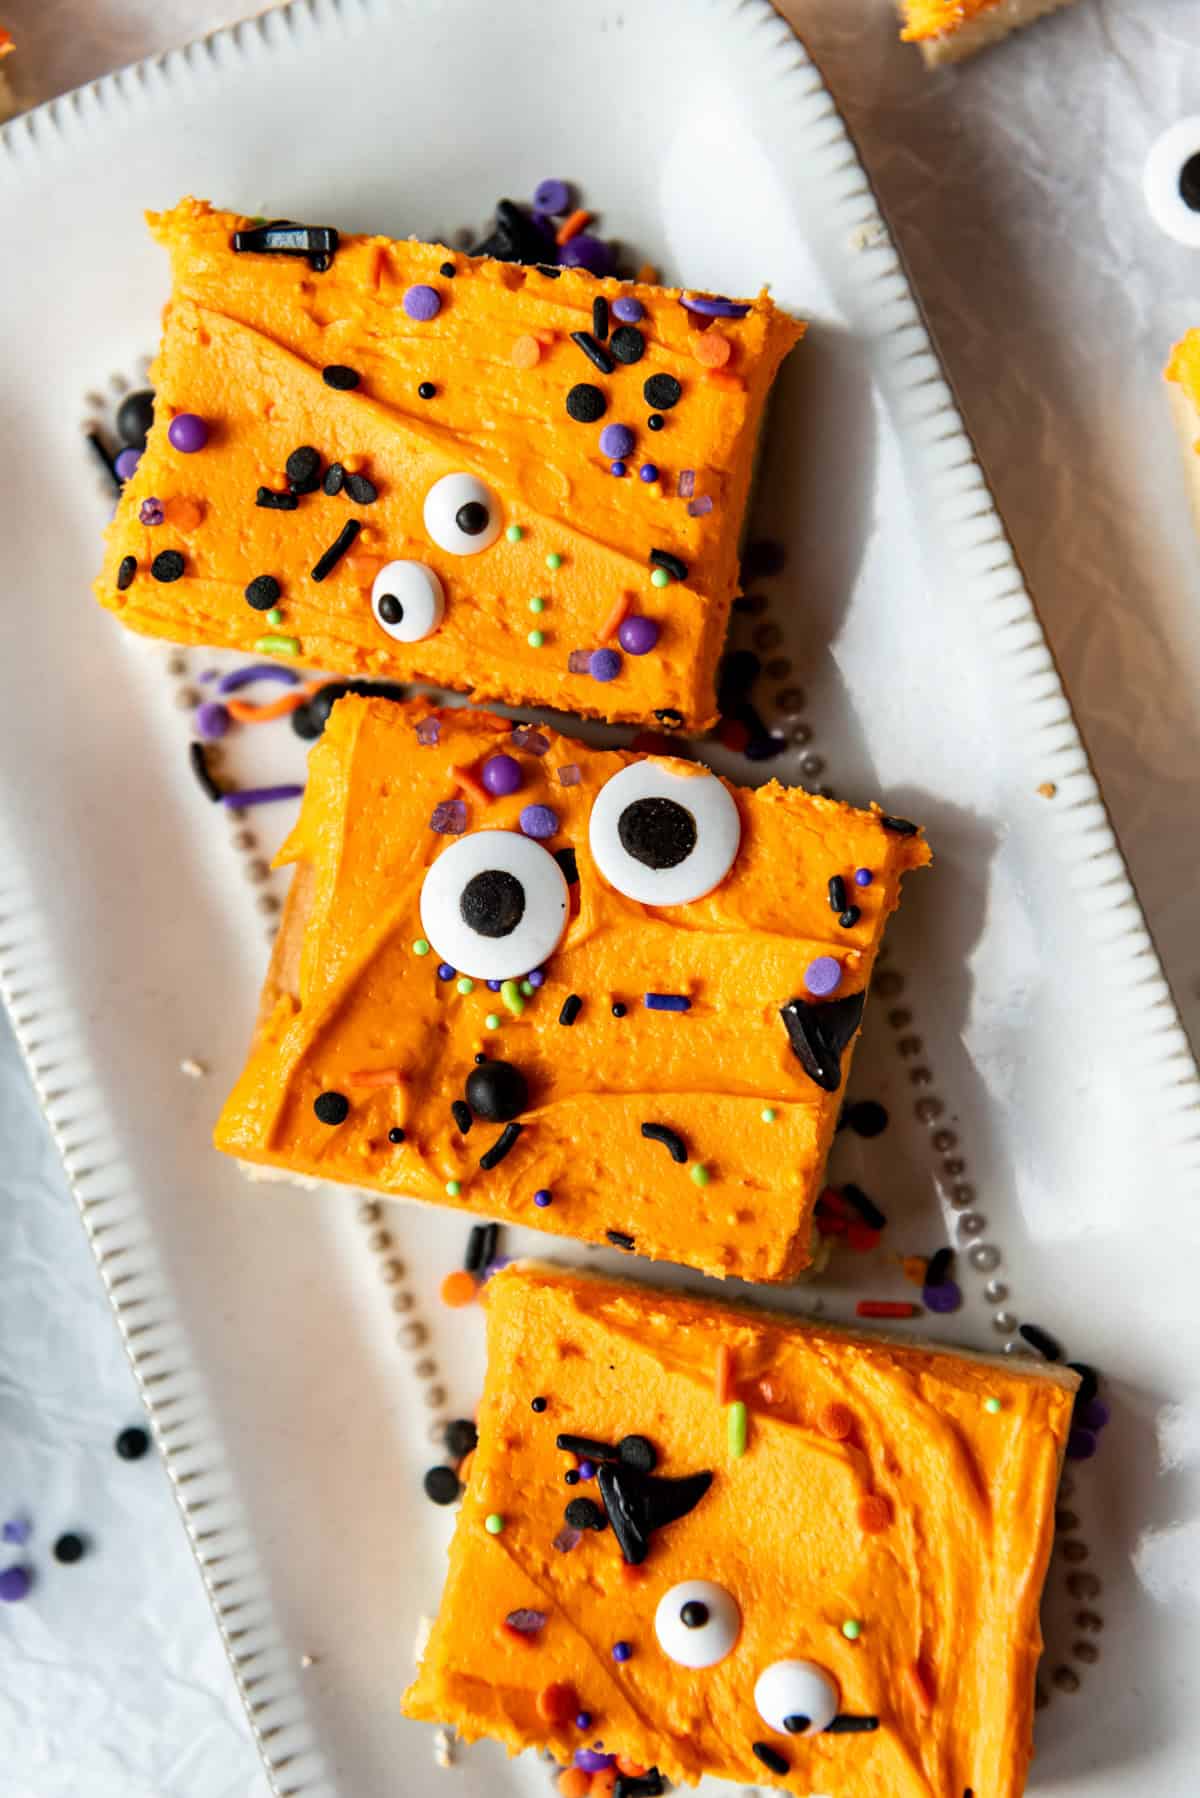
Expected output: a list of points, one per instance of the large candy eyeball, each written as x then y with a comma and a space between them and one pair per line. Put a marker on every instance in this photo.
462, 515
408, 601
663, 838
494, 904
697, 1623
1171, 182
796, 1698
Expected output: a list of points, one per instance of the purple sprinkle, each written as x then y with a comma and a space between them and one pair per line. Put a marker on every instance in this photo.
604, 664
126, 465
1081, 1445
583, 1719
210, 674
501, 775
648, 472
422, 303
449, 818
493, 986
863, 877
151, 512
666, 1002
621, 1651
14, 1584
713, 305
18, 1530
539, 821
187, 433
687, 483
588, 252
551, 196
212, 720
536, 978
494, 1266
700, 508
617, 441
942, 1298
628, 310
428, 732
569, 775
541, 1200
245, 677
1095, 1415
619, 469
587, 1470
823, 976
637, 634
445, 971
579, 661
532, 741
526, 1623
260, 796
590, 1761
566, 1539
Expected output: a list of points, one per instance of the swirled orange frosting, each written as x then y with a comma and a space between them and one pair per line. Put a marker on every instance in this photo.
354, 1008
889, 1522
245, 343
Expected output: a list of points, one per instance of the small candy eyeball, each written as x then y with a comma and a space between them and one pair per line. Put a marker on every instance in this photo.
462, 515
1171, 182
494, 904
663, 838
408, 601
796, 1698
697, 1623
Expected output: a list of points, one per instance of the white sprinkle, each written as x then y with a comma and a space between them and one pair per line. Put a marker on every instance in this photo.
443, 1747
869, 237
307, 1661
421, 1639
195, 1070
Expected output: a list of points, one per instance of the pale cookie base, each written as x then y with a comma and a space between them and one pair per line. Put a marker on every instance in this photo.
988, 28
1187, 423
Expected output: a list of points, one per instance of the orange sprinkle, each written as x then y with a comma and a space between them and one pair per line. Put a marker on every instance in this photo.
457, 1289
376, 1077
557, 1702
464, 1467
603, 1783
719, 377
914, 1269
470, 783
184, 514
836, 1421
609, 627
723, 1376
572, 226
526, 352
918, 1685
573, 1782
247, 713
712, 350
874, 1513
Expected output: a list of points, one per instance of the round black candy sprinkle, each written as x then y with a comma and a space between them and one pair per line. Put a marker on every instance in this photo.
866, 1117
497, 1091
618, 1009
662, 558
426, 390
331, 1108
448, 269
395, 1134
538, 1404
571, 1477
655, 422
135, 415
441, 1485
460, 1437
585, 1514
69, 1548
303, 469
585, 403
492, 902
335, 479
479, 1060
362, 491
662, 392
339, 376
263, 592
132, 1443
167, 565
659, 833
638, 1452
126, 572
627, 344
770, 1757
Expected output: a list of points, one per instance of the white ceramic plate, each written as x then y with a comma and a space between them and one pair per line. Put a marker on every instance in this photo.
1045, 1106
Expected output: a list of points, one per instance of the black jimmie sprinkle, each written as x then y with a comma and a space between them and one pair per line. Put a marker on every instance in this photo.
1042, 1341
335, 480
843, 1725
337, 549
600, 318
270, 501
670, 1139
500, 1148
318, 244
595, 352
662, 558
126, 572
588, 1448
331, 1108
460, 1111
572, 1006
937, 1268
770, 1757
867, 1209
198, 758
837, 893
620, 1239
899, 827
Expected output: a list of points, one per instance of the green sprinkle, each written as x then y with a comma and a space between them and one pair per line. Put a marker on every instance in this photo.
279, 646
554, 560
535, 639
274, 616
852, 1629
537, 604
465, 984
511, 997
993, 1405
737, 1429
493, 1523
514, 533
660, 578
768, 1114
492, 1020
454, 1187
420, 947
700, 1174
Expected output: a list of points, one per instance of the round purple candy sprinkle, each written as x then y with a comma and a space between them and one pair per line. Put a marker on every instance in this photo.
590, 1761
445, 971
604, 664
942, 1298
637, 635
616, 441
587, 1470
422, 303
628, 310
621, 1651
151, 512
187, 433
14, 1584
617, 468
501, 775
648, 472
541, 1199
537, 977
539, 821
1095, 1415
19, 1529
551, 196
823, 976
588, 252
1081, 1445
493, 986
126, 463
212, 720
863, 877
583, 1719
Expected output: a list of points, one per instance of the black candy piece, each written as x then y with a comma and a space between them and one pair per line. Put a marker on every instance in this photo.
513, 238
126, 572
571, 1477
497, 1091
937, 1268
620, 1239
837, 893
167, 565
303, 469
866, 1117
657, 832
819, 1033
866, 1208
270, 501
844, 1725
362, 491
341, 378
538, 1404
600, 317
899, 827
1189, 183
500, 1148
595, 352
655, 422
619, 1008
132, 1443
282, 237
668, 717
1042, 1341
441, 1485
585, 1514
670, 1139
849, 918
331, 1108
460, 1437
585, 403
567, 862
627, 344
492, 903
638, 1452
1089, 1383
662, 558
640, 1503
262, 592
639, 1785
770, 1757
662, 392
426, 390
572, 1005
326, 563
448, 269
588, 1448
476, 1244
310, 719
460, 1111
335, 480
395, 1134
69, 1548
135, 415
198, 758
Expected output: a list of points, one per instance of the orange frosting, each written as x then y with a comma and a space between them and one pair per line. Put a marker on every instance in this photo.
1184, 366
937, 18
349, 995
245, 341
945, 1595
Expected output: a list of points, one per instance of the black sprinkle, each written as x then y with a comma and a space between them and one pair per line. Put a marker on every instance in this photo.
1042, 1341
638, 1452
572, 1006
442, 1485
538, 1404
937, 1268
491, 1243
126, 572
361, 490
600, 317
849, 918
69, 1548
497, 1091
866, 1117
571, 1477
1089, 1383
570, 867
640, 1503
585, 403
852, 1726
585, 1514
595, 352
262, 592
448, 269
663, 558
586, 1447
337, 549
198, 757
167, 565
662, 392
668, 717
819, 1033
628, 345
770, 1757
620, 1239
473, 1256
461, 1113
639, 1785
545, 268
619, 1008
655, 422
135, 415
837, 893
335, 479
344, 379
317, 243
670, 1139
500, 1148
395, 1134
479, 1060
331, 1108
310, 719
867, 1209
460, 1437
899, 827
513, 238
426, 391
102, 456
303, 469
132, 1443
270, 501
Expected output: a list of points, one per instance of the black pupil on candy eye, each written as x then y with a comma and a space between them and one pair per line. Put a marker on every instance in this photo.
492, 903
659, 833
390, 609
694, 1615
472, 518
1189, 182
796, 1725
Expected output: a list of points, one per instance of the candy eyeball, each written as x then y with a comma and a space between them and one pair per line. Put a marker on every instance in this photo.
663, 838
462, 516
697, 1623
796, 1698
408, 601
1171, 182
494, 905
